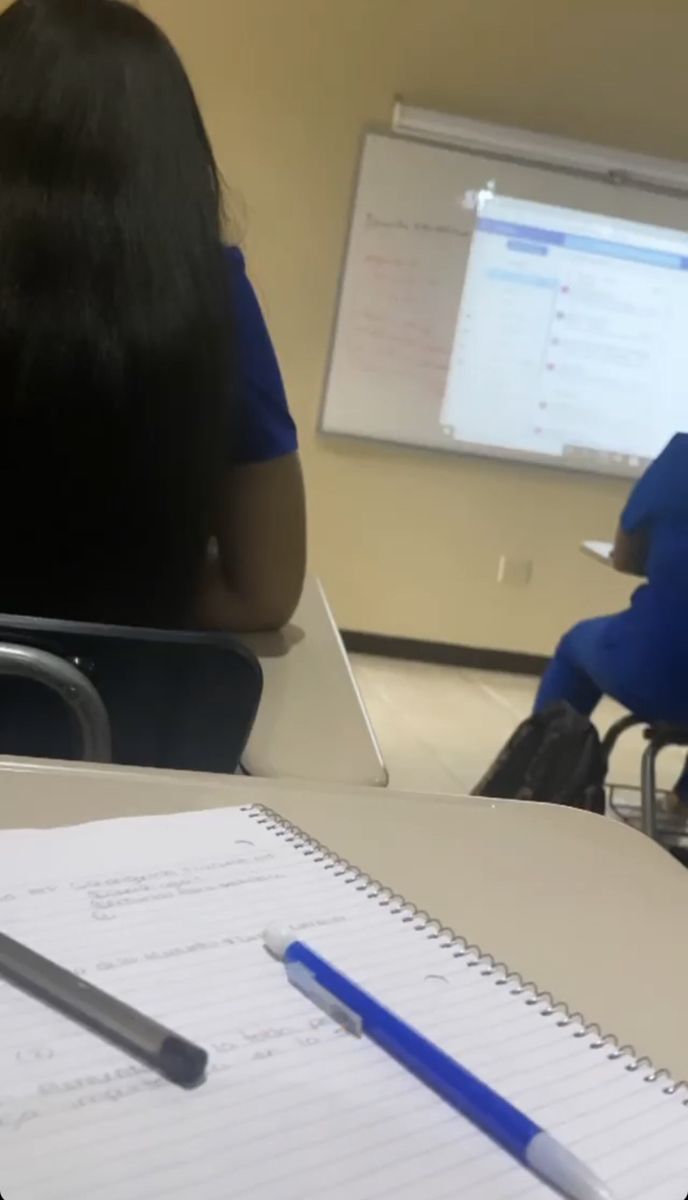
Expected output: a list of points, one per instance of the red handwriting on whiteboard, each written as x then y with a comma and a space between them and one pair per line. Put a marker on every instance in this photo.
399, 324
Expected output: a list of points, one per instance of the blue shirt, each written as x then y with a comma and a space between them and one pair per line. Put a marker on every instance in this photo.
658, 507
264, 428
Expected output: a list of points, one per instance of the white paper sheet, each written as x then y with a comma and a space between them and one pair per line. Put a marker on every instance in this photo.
167, 913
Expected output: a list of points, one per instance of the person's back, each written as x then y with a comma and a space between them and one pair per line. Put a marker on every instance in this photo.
655, 520
114, 321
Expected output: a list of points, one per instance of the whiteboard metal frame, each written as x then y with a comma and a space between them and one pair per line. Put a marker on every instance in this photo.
621, 176
623, 167
367, 131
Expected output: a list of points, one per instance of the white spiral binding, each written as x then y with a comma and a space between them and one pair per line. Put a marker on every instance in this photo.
447, 939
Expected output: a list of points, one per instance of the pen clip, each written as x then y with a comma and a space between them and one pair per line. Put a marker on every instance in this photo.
303, 979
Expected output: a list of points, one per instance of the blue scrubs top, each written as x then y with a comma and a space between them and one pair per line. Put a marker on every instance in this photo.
640, 656
658, 507
264, 429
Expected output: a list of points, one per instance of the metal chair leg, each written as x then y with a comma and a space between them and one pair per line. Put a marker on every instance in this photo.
614, 733
648, 790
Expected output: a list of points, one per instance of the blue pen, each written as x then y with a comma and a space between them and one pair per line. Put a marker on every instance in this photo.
360, 1013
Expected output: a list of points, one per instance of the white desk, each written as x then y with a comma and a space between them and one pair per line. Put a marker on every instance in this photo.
602, 551
589, 909
312, 723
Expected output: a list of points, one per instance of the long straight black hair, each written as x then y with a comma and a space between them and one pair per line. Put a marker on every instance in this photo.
113, 317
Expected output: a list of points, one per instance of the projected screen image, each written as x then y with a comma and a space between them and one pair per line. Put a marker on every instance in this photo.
571, 344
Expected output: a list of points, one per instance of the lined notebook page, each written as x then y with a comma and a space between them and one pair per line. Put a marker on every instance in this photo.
167, 913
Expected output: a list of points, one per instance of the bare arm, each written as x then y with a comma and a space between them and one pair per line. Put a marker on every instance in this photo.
630, 551
255, 581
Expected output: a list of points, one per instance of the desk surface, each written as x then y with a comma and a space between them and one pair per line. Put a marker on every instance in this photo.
311, 723
589, 909
602, 551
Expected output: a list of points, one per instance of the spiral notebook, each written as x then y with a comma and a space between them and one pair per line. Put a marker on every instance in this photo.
167, 913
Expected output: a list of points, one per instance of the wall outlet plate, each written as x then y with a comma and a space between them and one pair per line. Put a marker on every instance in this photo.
516, 572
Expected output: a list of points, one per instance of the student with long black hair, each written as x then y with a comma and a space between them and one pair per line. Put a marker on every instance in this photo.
142, 414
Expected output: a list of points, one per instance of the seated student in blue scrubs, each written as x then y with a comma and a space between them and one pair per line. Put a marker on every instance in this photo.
640, 656
150, 470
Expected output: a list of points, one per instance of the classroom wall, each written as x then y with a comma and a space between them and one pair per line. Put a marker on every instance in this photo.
408, 542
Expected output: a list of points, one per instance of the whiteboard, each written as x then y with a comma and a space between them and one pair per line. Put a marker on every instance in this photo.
405, 264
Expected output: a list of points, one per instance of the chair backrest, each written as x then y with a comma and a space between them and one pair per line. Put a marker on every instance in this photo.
184, 700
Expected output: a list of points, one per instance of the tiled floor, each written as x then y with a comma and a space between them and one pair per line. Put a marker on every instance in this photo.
440, 727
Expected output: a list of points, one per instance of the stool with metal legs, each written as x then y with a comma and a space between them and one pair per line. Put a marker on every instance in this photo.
658, 735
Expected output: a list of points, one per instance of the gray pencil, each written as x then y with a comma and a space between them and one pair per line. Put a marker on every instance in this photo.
173, 1056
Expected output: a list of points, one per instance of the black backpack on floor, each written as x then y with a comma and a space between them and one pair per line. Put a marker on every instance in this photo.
556, 757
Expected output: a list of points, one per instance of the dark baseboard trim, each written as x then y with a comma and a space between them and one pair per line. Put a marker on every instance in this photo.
445, 653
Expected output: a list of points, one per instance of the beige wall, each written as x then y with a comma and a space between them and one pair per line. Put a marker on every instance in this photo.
407, 542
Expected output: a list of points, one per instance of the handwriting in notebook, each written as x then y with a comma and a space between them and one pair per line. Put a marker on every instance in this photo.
293, 1109
142, 955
